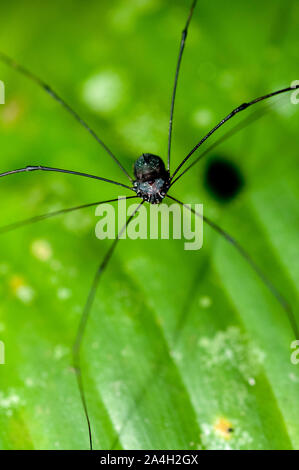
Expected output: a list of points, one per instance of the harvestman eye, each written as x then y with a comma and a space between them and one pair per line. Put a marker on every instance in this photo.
151, 183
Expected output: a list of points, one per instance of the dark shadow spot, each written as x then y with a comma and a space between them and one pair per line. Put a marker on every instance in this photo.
223, 179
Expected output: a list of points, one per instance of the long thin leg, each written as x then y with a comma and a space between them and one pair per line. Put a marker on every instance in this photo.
39, 218
240, 126
84, 319
13, 64
279, 297
229, 116
182, 46
59, 170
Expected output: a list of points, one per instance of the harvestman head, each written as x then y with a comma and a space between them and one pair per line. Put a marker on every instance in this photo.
152, 184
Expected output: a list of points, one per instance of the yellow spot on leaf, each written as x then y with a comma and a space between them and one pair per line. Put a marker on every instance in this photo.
11, 112
223, 428
16, 282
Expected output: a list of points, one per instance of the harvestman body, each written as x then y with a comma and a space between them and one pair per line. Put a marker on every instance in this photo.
152, 183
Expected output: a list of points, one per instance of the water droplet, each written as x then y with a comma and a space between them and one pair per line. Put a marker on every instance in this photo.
25, 294
64, 293
202, 117
104, 91
205, 301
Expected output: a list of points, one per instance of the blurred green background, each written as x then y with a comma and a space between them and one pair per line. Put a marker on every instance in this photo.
181, 346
